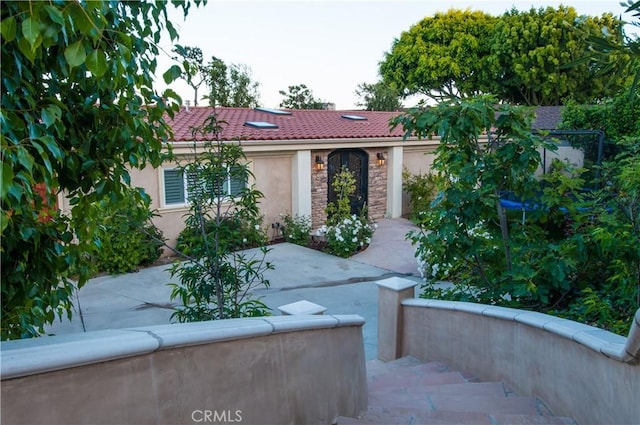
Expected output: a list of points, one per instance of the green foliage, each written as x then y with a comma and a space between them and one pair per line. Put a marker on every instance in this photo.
194, 73
344, 186
77, 80
126, 239
216, 280
378, 97
441, 56
530, 49
297, 229
346, 233
522, 57
613, 43
422, 191
300, 97
571, 253
235, 232
617, 117
230, 85
348, 236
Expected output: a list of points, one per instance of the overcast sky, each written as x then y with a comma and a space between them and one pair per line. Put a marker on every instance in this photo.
331, 46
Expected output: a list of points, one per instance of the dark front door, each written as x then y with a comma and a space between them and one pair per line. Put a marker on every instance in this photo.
356, 161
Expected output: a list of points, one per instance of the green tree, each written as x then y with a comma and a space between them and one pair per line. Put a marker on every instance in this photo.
300, 97
78, 111
378, 97
231, 86
529, 52
626, 48
192, 63
442, 56
216, 280
564, 251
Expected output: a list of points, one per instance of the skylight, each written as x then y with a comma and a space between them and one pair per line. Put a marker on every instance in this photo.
260, 124
273, 111
354, 117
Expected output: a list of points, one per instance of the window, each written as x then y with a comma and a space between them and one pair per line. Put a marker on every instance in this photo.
273, 111
177, 186
261, 124
354, 117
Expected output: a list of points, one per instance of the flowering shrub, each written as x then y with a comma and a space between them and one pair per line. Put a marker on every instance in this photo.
348, 236
346, 233
297, 229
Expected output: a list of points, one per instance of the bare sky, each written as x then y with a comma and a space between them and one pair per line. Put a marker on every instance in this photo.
331, 46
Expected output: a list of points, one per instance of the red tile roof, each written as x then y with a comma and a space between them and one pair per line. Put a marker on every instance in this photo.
300, 125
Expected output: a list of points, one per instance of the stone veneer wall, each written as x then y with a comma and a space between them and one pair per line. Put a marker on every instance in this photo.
377, 185
271, 370
320, 189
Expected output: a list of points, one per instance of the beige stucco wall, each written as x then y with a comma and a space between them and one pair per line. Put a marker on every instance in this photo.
277, 170
273, 178
562, 362
272, 172
416, 160
280, 370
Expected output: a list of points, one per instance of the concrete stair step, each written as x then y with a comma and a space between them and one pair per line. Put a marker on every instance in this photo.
421, 368
484, 404
436, 384
416, 379
421, 398
377, 367
406, 391
505, 419
409, 416
413, 416
419, 395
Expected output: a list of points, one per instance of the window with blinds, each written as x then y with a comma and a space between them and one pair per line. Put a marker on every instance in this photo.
174, 187
178, 187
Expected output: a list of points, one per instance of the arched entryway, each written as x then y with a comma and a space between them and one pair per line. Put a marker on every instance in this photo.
356, 161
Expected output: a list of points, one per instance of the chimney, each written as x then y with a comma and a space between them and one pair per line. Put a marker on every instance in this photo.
187, 103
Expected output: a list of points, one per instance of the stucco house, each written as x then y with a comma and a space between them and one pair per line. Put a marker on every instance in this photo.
294, 155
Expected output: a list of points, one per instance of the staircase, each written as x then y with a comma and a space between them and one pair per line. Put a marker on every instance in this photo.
406, 391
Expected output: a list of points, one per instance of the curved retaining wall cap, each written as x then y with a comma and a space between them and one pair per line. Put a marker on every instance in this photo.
48, 353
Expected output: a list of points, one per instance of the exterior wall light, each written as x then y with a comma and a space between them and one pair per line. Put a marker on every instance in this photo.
380, 159
319, 163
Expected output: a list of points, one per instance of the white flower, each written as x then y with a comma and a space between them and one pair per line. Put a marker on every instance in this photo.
355, 239
244, 240
257, 227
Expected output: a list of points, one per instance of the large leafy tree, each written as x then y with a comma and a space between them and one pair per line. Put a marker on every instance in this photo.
378, 97
625, 47
193, 68
520, 56
78, 110
442, 56
300, 97
530, 51
230, 85
227, 85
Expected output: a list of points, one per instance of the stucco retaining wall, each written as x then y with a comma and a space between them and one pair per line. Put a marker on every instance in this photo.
578, 370
272, 370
